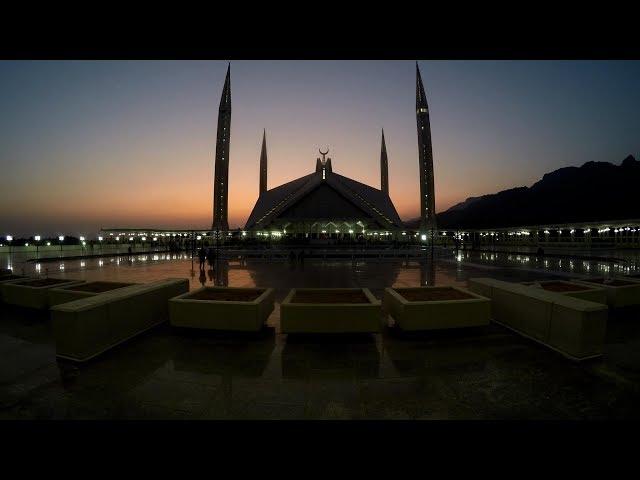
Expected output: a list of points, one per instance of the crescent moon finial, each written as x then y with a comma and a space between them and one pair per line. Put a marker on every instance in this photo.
323, 153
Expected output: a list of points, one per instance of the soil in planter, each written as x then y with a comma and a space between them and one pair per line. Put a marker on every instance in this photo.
609, 282
98, 287
356, 296
226, 295
563, 287
433, 294
44, 282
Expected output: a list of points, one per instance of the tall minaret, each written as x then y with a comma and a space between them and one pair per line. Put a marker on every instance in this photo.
425, 157
221, 176
263, 163
384, 167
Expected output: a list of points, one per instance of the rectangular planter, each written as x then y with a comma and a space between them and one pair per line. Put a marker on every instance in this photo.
90, 326
571, 289
572, 326
32, 292
434, 308
10, 278
330, 310
222, 308
623, 292
70, 293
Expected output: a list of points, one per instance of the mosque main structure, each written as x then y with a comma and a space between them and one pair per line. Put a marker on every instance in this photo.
324, 204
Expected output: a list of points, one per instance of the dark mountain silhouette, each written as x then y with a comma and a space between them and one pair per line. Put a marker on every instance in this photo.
595, 191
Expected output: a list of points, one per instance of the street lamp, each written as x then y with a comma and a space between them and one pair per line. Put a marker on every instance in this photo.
37, 239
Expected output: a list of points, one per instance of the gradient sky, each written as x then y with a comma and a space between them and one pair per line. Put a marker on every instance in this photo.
91, 144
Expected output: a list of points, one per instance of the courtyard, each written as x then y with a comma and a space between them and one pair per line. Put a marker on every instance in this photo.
477, 373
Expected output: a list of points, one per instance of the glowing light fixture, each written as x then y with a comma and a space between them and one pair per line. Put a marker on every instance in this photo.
37, 238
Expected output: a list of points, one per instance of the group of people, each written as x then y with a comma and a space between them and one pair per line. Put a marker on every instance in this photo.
207, 255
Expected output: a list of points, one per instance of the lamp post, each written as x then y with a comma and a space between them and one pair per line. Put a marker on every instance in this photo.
37, 242
10, 241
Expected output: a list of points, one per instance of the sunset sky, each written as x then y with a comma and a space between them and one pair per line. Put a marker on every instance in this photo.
91, 144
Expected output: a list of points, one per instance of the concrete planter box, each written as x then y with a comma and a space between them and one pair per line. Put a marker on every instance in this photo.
623, 292
578, 327
92, 325
571, 289
88, 289
10, 279
420, 309
32, 292
572, 326
330, 310
222, 308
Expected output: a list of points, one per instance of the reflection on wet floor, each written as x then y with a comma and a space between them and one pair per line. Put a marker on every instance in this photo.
448, 267
481, 373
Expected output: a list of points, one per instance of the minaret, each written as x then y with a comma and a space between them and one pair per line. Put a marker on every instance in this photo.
384, 167
263, 163
425, 157
221, 176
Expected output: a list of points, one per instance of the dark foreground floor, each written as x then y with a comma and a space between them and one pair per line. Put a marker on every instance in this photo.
489, 373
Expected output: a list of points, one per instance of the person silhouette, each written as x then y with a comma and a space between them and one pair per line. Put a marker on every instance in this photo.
210, 257
202, 255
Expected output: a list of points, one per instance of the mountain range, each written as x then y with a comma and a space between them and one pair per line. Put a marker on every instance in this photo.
596, 191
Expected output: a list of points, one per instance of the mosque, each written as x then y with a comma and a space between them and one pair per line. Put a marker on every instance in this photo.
324, 204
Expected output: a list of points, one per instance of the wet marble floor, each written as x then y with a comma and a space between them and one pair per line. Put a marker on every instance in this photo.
486, 373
